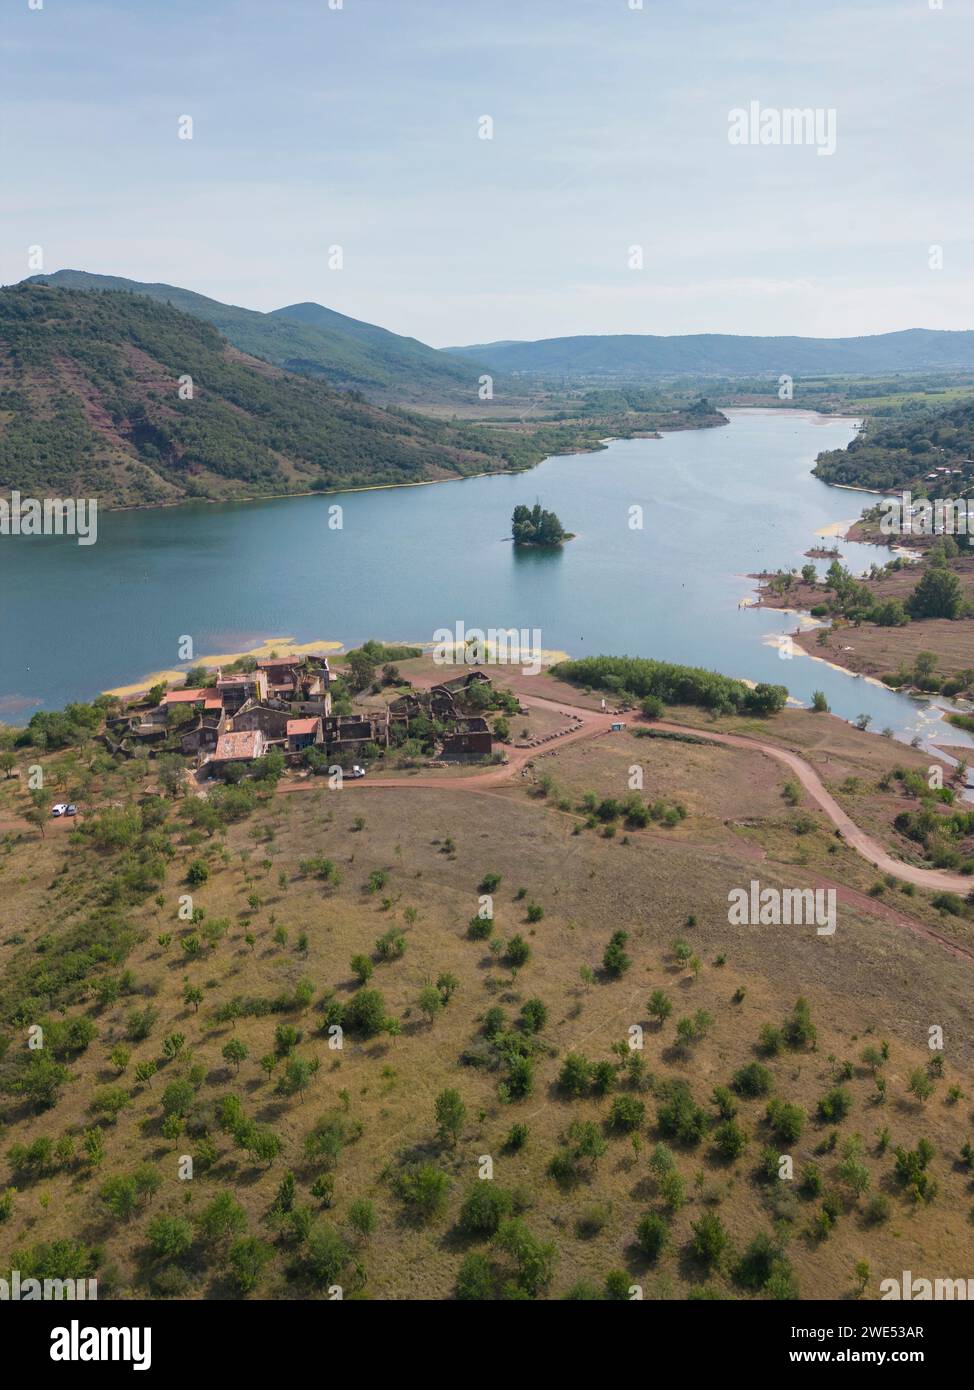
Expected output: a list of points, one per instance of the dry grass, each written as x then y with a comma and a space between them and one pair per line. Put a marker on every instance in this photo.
873, 979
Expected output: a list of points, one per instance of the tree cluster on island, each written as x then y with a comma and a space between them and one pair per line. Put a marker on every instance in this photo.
535, 526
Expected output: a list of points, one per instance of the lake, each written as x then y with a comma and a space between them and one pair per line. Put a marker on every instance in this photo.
717, 504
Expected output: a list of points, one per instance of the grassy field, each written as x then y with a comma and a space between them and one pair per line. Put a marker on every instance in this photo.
414, 860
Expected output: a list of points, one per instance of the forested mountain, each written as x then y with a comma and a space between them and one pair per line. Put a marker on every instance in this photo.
893, 453
315, 341
90, 405
624, 356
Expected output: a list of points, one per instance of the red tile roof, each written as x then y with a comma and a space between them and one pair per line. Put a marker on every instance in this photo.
184, 697
244, 745
302, 726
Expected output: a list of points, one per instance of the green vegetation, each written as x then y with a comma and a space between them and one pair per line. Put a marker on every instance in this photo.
637, 677
78, 415
899, 451
534, 526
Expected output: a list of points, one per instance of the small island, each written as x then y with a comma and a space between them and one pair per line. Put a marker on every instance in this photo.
534, 526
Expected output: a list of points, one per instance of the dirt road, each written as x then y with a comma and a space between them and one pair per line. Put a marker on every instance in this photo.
581, 722
593, 722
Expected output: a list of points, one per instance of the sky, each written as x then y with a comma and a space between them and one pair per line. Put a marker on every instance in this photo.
358, 124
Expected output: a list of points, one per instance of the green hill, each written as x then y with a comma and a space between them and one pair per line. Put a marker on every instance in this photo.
315, 341
90, 406
721, 354
904, 450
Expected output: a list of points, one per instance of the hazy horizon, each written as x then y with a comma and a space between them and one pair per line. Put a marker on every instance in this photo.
360, 127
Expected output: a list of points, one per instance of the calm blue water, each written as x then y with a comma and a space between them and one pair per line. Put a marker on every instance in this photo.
718, 504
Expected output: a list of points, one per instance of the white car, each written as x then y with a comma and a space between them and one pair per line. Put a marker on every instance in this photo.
59, 809
357, 771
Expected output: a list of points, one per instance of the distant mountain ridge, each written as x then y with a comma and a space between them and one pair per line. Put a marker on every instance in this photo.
312, 340
725, 354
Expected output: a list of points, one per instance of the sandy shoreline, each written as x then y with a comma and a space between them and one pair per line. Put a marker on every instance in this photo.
281, 647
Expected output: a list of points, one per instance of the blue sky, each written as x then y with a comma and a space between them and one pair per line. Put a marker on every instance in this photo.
358, 127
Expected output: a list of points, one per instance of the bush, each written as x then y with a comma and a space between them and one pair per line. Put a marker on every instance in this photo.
422, 1188
652, 1235
752, 1080
365, 1013
169, 1236
484, 1208
678, 1116
534, 1259
534, 1015
615, 961
246, 1259
326, 1253
786, 1120
759, 1261
627, 1114
709, 1240
475, 1280
877, 1209
835, 1104
730, 1140
518, 951
576, 1074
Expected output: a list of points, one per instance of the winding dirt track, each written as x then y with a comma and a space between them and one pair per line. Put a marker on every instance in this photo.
594, 722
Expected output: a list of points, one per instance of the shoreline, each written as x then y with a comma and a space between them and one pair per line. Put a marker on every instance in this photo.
597, 447
283, 647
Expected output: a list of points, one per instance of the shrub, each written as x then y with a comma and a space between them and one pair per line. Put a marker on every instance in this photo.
786, 1120
652, 1235
752, 1080
366, 1013
246, 1259
475, 1280
484, 1208
169, 1236
627, 1114
758, 1262
576, 1074
835, 1104
534, 1015
534, 1259
326, 1253
730, 1140
422, 1188
518, 951
615, 960
678, 1116
709, 1240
